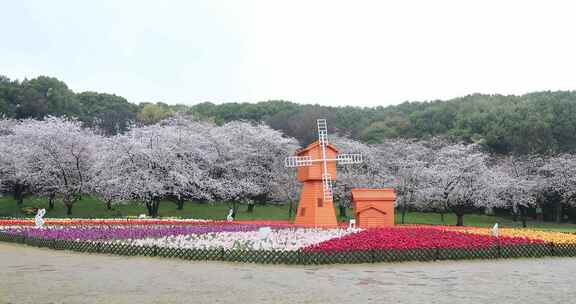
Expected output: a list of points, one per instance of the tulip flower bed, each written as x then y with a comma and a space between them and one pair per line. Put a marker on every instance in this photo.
546, 236
128, 222
200, 234
95, 233
399, 238
283, 243
278, 239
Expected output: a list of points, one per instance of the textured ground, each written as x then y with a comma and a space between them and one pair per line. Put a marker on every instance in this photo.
33, 275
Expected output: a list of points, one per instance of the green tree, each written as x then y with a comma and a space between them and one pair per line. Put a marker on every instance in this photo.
111, 113
43, 96
153, 113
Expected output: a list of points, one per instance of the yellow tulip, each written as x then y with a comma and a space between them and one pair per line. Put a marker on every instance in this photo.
547, 236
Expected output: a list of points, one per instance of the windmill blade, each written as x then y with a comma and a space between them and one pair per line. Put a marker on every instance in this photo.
327, 187
297, 161
322, 131
349, 159
326, 179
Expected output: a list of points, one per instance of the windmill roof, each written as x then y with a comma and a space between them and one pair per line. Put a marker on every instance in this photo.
313, 145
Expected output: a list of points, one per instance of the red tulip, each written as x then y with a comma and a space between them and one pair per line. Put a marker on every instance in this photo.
414, 238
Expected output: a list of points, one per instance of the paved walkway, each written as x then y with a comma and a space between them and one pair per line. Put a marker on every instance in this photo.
33, 275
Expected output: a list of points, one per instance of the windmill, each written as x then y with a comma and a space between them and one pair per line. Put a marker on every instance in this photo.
317, 170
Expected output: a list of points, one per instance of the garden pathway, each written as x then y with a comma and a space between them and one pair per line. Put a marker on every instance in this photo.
33, 275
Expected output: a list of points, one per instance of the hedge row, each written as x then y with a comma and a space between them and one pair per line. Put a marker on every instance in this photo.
301, 257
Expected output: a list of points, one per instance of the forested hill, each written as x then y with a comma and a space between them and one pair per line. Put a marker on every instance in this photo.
532, 123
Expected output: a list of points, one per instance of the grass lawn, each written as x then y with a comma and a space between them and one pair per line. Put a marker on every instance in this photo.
90, 207
480, 220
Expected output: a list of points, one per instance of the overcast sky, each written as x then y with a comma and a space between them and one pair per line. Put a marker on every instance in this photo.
328, 52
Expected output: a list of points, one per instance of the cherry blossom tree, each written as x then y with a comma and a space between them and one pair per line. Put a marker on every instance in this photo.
161, 161
15, 153
519, 182
6, 125
560, 173
104, 183
285, 187
460, 178
406, 161
247, 159
190, 154
182, 159
58, 156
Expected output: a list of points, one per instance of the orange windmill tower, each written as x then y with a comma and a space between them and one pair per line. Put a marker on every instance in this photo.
317, 169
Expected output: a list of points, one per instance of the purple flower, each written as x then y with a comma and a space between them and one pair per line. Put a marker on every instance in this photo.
117, 233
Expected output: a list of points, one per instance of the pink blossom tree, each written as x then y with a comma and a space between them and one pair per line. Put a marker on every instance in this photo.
59, 155
560, 173
168, 160
460, 178
247, 159
15, 152
406, 161
519, 182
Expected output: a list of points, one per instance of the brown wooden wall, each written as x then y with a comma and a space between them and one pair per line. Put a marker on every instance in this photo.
371, 218
314, 172
315, 214
382, 216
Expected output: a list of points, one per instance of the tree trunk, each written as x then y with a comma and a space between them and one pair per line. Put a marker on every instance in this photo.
442, 216
459, 219
69, 202
234, 207
342, 209
523, 215
539, 214
403, 211
109, 204
250, 208
290, 209
155, 207
149, 207
558, 212
180, 204
19, 194
405, 205
51, 202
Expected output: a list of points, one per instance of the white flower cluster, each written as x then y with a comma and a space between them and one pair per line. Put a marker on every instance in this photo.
282, 239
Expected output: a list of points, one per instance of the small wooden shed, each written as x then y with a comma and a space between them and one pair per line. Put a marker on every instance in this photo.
374, 207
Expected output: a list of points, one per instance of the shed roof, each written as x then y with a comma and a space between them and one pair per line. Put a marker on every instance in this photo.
363, 194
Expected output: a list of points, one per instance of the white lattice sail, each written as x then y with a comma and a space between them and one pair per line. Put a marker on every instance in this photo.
322, 131
327, 187
341, 159
349, 159
297, 161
